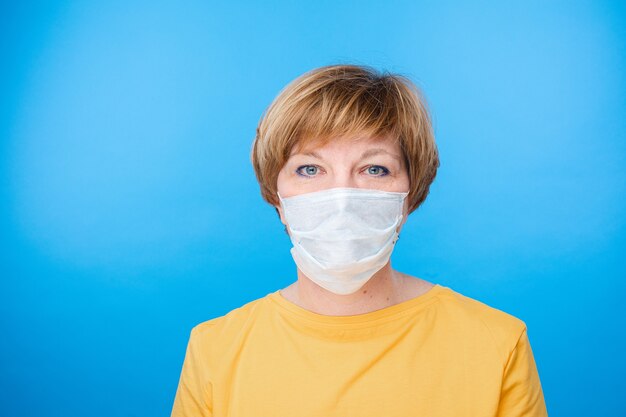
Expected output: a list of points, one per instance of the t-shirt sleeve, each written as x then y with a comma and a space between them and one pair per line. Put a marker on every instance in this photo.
521, 394
193, 396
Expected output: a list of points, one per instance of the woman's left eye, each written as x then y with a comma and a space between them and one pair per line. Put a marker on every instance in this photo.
377, 170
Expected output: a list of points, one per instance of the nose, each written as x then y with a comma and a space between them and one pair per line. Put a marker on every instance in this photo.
343, 179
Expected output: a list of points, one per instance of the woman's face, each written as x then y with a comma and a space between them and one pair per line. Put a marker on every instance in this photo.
370, 163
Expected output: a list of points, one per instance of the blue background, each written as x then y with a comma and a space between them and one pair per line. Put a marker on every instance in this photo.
129, 210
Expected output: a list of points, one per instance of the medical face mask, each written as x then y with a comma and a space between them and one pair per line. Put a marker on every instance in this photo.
342, 236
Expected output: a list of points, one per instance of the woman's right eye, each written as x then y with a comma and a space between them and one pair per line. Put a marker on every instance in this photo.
307, 170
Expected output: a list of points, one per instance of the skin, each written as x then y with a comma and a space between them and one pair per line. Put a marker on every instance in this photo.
362, 162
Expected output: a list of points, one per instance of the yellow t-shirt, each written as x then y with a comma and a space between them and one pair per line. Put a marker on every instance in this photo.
440, 354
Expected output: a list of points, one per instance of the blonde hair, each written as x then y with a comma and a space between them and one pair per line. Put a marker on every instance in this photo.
340, 101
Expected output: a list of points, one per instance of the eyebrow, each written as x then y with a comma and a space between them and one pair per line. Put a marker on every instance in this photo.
367, 154
312, 153
378, 151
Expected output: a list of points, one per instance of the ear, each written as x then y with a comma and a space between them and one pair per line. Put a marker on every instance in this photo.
281, 215
405, 215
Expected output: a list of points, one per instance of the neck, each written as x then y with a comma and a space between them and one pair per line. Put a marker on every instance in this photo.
384, 289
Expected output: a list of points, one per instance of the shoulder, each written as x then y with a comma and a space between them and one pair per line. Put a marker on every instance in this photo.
479, 319
230, 324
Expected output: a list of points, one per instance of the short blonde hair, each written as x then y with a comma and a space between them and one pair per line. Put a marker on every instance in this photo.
340, 101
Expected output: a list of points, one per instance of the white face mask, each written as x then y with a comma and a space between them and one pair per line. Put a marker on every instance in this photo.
342, 236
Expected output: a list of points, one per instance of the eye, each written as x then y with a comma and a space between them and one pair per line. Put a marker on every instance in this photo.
377, 171
307, 170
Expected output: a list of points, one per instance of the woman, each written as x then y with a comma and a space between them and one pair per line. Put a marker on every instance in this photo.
345, 154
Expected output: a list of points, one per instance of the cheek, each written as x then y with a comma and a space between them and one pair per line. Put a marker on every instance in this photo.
404, 179
406, 182
399, 183
283, 184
